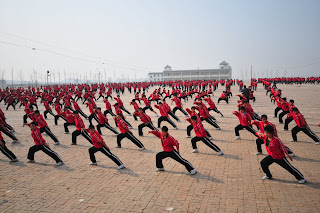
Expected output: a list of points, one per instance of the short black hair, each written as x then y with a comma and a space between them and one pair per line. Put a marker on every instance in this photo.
33, 123
140, 108
264, 116
269, 129
164, 128
75, 112
242, 108
194, 118
291, 100
91, 127
284, 98
295, 109
193, 107
37, 111
133, 100
245, 101
99, 108
160, 103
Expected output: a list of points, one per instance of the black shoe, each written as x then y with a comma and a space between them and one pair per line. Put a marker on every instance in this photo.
73, 143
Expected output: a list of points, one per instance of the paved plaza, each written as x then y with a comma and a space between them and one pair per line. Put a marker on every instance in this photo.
229, 183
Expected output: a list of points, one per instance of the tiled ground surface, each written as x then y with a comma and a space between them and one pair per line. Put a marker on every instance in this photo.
228, 183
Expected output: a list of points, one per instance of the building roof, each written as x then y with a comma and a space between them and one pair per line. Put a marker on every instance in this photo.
200, 70
168, 67
223, 63
155, 73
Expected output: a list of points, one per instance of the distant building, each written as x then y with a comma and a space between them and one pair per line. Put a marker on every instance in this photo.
224, 72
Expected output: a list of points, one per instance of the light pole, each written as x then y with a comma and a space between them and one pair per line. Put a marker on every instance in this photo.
48, 77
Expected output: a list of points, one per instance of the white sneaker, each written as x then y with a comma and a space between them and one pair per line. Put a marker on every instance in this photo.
129, 114
237, 138
193, 171
220, 153
14, 160
59, 163
259, 153
219, 128
176, 128
67, 133
188, 136
210, 138
121, 167
317, 143
179, 121
292, 154
265, 177
292, 140
160, 170
141, 149
130, 127
302, 181
30, 161
93, 164
57, 143
195, 151
15, 141
157, 115
12, 130
119, 147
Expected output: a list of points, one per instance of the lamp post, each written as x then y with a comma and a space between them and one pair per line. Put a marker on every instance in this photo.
48, 74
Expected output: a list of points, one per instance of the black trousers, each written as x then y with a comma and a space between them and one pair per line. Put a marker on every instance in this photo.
211, 122
66, 124
105, 151
308, 132
128, 124
163, 118
82, 113
14, 107
6, 151
286, 123
78, 98
150, 125
175, 156
100, 97
108, 111
240, 127
284, 163
124, 109
108, 127
276, 111
93, 116
255, 116
46, 112
76, 133
190, 128
179, 108
7, 125
34, 104
173, 115
57, 117
131, 137
9, 134
46, 150
283, 113
215, 110
204, 140
147, 107
226, 100
259, 142
48, 131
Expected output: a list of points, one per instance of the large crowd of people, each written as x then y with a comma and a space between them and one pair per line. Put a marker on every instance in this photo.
64, 103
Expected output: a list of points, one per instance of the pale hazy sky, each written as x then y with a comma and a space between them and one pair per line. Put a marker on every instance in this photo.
136, 36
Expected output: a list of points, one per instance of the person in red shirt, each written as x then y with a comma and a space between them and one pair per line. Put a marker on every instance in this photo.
261, 124
245, 122
40, 144
10, 102
205, 115
29, 114
3, 117
212, 105
119, 112
126, 133
289, 116
6, 151
302, 126
100, 145
285, 106
80, 129
146, 121
78, 109
44, 127
58, 109
70, 119
136, 109
164, 116
178, 106
148, 106
201, 135
92, 110
47, 107
108, 107
119, 101
168, 143
277, 154
103, 122
279, 105
193, 112
224, 97
168, 110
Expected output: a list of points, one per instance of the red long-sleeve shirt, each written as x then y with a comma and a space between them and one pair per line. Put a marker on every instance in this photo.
122, 126
162, 110
96, 139
145, 118
299, 119
102, 119
275, 148
198, 128
37, 137
168, 142
245, 118
79, 123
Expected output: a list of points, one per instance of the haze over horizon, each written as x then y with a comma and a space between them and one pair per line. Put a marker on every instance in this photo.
128, 39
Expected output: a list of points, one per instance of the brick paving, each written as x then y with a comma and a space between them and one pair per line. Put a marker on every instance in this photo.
228, 183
